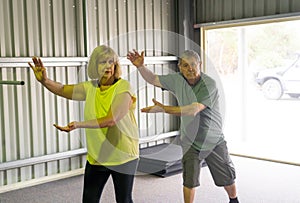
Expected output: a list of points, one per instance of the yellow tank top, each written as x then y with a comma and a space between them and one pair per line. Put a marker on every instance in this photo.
113, 145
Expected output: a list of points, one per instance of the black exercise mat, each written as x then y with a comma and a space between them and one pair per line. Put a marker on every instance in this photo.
161, 160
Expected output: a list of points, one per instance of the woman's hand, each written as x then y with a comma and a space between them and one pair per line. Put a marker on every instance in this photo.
38, 69
156, 108
71, 126
136, 58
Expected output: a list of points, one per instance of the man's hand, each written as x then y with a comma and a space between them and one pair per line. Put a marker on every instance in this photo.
71, 126
136, 58
38, 69
156, 108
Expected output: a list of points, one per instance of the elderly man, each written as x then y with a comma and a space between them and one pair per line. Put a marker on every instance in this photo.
201, 123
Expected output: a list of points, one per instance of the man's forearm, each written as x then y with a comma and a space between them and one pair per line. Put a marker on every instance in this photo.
174, 110
188, 110
149, 76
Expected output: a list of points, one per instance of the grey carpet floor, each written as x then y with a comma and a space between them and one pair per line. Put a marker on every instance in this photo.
257, 181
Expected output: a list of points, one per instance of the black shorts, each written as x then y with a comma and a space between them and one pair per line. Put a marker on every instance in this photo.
218, 161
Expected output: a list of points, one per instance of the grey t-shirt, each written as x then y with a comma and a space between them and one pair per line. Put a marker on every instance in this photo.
203, 131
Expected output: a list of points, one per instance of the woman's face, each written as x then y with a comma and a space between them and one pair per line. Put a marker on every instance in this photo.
106, 68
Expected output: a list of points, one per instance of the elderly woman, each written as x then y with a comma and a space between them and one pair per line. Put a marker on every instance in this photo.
109, 122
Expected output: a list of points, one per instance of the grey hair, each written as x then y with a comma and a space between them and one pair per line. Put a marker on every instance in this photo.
188, 54
101, 52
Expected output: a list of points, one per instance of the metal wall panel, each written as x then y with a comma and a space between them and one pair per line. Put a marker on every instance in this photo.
62, 29
67, 28
27, 114
117, 23
42, 28
222, 10
135, 24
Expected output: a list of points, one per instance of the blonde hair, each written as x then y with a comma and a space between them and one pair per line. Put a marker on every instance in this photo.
100, 53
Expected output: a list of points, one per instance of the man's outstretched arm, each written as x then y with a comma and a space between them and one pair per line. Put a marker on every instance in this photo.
138, 61
188, 110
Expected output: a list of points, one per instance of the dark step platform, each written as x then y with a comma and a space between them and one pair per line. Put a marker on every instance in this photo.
162, 160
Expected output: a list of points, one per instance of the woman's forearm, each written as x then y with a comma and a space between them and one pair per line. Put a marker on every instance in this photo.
96, 123
73, 92
54, 87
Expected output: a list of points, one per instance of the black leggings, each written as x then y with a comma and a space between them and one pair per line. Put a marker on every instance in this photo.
95, 178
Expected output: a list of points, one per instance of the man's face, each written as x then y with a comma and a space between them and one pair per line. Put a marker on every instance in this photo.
190, 68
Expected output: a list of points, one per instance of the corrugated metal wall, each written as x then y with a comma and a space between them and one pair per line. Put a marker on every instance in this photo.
64, 32
118, 22
27, 115
42, 28
210, 11
72, 28
222, 10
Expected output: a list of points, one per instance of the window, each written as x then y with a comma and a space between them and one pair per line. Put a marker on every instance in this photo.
257, 65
